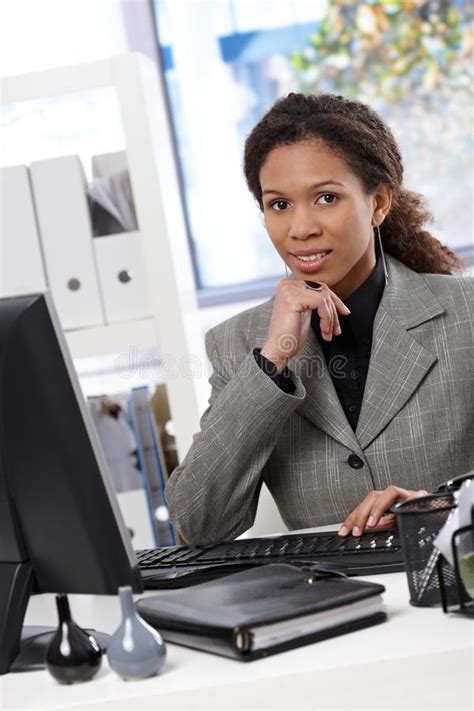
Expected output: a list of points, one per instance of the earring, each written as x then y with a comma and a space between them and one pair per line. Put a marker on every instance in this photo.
382, 254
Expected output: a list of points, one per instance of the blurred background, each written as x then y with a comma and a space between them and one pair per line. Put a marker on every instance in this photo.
219, 65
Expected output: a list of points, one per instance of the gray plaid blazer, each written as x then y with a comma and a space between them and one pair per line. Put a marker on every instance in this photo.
415, 428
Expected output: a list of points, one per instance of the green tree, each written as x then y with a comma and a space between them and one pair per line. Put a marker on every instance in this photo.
412, 61
388, 51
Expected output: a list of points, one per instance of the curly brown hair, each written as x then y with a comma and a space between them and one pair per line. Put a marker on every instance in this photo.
358, 134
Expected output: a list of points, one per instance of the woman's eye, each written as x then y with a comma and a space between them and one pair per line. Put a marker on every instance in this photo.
328, 199
279, 205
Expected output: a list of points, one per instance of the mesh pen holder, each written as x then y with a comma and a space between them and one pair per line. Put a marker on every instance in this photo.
419, 522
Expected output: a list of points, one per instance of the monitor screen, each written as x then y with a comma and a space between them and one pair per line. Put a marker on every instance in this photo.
59, 516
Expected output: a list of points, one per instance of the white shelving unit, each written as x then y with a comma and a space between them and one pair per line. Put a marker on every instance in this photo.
174, 325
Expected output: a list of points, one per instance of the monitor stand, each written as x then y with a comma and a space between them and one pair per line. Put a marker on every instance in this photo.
23, 648
16, 585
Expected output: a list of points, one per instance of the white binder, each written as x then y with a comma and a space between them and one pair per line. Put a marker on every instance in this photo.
21, 262
122, 276
59, 188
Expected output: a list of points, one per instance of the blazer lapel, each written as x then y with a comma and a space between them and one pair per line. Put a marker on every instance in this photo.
321, 405
398, 362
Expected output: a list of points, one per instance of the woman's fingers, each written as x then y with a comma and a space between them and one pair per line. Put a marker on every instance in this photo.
355, 522
327, 305
371, 513
305, 325
331, 316
326, 319
383, 502
314, 296
336, 324
334, 305
332, 311
287, 326
386, 521
340, 305
387, 498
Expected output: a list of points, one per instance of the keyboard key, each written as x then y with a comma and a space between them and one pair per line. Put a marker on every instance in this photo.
187, 556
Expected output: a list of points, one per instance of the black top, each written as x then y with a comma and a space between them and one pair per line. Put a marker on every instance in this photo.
347, 355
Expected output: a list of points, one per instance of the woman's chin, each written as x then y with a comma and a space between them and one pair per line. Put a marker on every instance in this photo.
323, 276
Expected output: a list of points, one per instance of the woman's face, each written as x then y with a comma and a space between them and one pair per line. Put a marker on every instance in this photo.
319, 216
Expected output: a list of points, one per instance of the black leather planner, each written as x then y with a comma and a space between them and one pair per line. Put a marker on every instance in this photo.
263, 611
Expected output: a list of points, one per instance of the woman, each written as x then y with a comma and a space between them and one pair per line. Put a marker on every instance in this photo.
352, 387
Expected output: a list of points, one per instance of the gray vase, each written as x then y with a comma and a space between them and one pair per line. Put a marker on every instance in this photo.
135, 650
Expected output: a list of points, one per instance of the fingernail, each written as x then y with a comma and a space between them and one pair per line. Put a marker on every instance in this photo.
356, 531
338, 330
371, 521
314, 285
342, 531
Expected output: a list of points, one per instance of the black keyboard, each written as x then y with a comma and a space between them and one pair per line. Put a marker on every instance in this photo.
180, 566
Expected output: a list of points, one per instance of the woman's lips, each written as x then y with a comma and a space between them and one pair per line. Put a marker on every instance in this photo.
310, 267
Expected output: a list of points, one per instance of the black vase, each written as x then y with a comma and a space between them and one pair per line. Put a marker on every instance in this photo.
73, 654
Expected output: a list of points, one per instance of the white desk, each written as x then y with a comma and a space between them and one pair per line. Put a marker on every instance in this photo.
419, 659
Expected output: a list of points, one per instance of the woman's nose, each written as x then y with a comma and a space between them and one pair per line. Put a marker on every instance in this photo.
303, 224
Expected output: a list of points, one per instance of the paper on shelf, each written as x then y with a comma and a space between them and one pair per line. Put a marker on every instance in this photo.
460, 517
114, 194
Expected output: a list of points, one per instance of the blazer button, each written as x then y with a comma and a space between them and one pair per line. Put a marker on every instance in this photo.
355, 461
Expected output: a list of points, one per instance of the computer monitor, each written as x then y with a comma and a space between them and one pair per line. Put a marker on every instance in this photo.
61, 529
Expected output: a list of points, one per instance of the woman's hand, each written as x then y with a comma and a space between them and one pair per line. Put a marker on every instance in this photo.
370, 513
291, 318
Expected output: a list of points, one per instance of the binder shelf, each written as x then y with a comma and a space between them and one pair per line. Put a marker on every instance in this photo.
160, 307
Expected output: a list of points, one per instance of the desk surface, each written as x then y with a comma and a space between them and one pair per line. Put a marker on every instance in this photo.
419, 659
